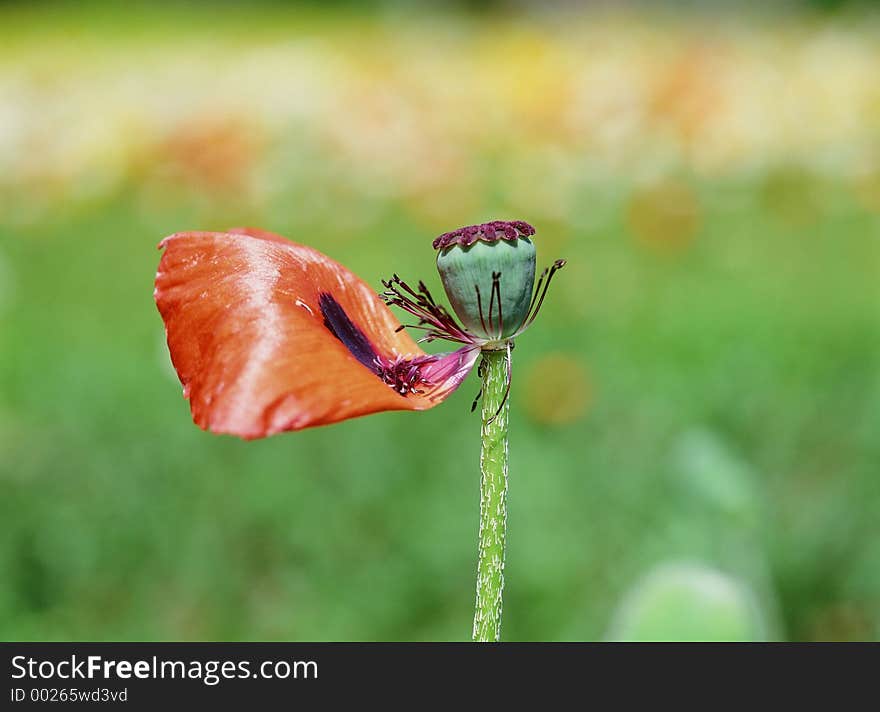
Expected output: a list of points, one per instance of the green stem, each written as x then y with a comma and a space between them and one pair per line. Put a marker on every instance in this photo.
493, 498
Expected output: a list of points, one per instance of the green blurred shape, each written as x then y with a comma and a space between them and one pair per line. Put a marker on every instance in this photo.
715, 476
688, 602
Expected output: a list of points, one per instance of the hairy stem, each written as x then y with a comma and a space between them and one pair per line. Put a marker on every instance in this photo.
493, 497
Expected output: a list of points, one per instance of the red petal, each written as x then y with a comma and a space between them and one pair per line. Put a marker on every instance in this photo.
249, 341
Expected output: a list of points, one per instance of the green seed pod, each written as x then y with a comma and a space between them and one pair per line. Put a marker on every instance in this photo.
488, 272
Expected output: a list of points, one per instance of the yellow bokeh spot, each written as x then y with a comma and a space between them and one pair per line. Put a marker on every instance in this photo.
664, 216
867, 189
558, 390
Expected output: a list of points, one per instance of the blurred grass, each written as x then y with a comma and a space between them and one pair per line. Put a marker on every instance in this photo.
720, 331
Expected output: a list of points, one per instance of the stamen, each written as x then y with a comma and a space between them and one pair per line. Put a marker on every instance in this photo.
558, 265
480, 307
440, 324
496, 283
476, 400
506, 389
491, 300
537, 291
424, 290
402, 374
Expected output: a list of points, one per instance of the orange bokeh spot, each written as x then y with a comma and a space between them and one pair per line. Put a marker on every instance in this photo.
214, 154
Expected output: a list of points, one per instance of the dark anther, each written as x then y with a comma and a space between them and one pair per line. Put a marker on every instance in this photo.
476, 400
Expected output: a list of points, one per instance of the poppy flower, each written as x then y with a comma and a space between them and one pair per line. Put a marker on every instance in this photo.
267, 335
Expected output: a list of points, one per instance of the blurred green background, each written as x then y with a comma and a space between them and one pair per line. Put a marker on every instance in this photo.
696, 415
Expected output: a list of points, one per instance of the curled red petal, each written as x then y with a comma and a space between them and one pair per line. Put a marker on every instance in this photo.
267, 335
